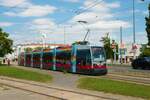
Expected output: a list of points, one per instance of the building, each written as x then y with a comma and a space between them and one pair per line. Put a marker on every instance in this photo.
131, 52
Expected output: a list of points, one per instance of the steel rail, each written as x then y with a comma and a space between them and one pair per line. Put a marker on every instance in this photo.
49, 87
137, 80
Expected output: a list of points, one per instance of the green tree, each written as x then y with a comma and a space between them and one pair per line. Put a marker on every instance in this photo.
148, 26
145, 49
145, 52
107, 46
28, 49
5, 43
38, 48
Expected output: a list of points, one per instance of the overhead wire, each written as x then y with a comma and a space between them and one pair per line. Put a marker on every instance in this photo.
91, 5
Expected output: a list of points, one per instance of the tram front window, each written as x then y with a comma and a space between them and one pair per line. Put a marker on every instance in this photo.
98, 54
84, 57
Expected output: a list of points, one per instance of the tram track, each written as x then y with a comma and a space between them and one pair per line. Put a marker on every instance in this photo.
127, 78
16, 87
122, 77
48, 87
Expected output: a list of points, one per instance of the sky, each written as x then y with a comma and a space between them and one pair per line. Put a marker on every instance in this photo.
58, 20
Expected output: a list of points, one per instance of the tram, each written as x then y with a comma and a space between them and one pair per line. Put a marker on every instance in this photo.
77, 58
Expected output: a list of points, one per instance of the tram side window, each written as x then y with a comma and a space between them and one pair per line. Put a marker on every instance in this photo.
63, 57
28, 58
84, 57
47, 57
21, 59
36, 58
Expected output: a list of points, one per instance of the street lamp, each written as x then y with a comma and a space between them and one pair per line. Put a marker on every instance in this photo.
43, 40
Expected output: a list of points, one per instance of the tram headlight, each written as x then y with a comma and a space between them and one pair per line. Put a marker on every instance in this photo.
100, 64
103, 63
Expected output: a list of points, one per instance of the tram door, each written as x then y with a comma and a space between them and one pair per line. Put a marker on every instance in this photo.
28, 60
36, 60
47, 60
21, 60
83, 59
63, 60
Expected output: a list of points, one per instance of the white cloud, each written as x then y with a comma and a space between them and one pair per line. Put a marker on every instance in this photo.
10, 14
100, 17
100, 11
92, 16
11, 3
141, 38
100, 6
27, 9
43, 25
73, 1
112, 24
5, 24
145, 12
113, 5
100, 20
36, 10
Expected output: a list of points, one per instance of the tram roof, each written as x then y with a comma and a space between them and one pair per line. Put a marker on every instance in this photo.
63, 48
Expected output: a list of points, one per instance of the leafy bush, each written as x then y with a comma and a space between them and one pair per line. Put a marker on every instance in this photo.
145, 52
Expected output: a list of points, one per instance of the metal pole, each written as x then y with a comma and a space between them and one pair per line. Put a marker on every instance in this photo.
25, 58
32, 59
134, 41
120, 44
19, 55
134, 22
120, 34
54, 58
115, 56
134, 27
64, 34
41, 59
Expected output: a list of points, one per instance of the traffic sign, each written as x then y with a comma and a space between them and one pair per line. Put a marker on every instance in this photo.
134, 47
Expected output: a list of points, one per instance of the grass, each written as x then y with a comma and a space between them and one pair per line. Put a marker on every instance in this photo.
24, 74
116, 87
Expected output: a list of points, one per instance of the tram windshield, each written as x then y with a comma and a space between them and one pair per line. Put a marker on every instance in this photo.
98, 54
